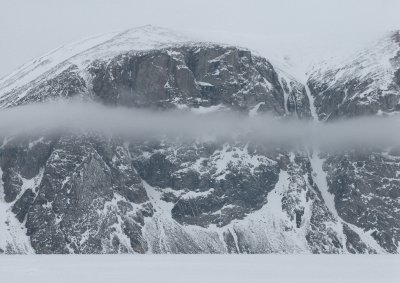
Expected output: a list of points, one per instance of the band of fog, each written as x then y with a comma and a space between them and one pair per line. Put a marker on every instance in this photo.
138, 123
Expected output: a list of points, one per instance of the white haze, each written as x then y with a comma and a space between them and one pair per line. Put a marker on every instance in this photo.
296, 27
223, 125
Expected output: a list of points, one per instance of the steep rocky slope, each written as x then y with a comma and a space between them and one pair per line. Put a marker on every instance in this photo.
364, 181
366, 83
86, 193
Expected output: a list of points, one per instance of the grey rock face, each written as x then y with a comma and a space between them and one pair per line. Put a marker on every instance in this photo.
365, 85
192, 76
201, 188
367, 199
296, 102
86, 187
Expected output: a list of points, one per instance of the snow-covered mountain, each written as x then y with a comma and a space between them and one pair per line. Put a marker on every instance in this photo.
85, 193
366, 83
363, 84
79, 55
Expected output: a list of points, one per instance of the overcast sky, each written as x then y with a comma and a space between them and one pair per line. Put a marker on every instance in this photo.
29, 28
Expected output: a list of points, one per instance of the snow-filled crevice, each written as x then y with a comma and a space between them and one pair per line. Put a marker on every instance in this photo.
320, 179
267, 230
13, 238
313, 109
163, 234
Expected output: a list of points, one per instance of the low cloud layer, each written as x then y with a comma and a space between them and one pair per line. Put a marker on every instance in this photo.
137, 123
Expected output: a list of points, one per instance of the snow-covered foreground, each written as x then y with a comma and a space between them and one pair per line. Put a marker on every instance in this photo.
200, 268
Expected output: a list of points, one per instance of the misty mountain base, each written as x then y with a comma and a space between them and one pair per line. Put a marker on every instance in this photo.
91, 192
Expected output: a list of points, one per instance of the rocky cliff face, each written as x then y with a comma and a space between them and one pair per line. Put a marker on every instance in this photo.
366, 84
364, 182
86, 193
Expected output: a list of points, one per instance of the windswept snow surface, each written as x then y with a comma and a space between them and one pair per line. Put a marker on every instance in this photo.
200, 268
296, 54
371, 62
87, 50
